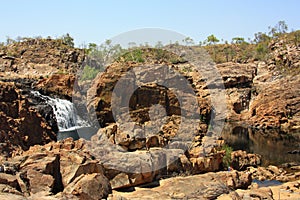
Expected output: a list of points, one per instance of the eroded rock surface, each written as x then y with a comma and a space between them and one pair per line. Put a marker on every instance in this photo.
204, 186
21, 125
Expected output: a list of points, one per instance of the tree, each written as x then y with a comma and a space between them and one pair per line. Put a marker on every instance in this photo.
238, 40
68, 40
9, 40
188, 41
131, 44
261, 37
280, 28
212, 39
100, 56
159, 45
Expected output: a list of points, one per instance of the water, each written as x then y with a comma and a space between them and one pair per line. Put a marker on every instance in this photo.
65, 112
70, 124
267, 183
274, 146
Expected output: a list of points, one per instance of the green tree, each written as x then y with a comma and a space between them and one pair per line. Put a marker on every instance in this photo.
89, 73
212, 39
227, 156
280, 28
68, 40
100, 56
261, 37
238, 40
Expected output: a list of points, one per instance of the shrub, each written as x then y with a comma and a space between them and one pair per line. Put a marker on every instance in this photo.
89, 73
227, 156
136, 56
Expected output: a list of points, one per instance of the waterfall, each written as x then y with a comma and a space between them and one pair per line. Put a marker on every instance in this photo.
65, 112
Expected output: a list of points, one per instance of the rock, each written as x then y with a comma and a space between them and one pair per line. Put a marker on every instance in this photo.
274, 173
265, 94
126, 169
42, 173
289, 191
161, 105
73, 159
21, 126
73, 165
260, 193
276, 104
240, 160
237, 75
10, 180
46, 170
57, 84
204, 186
41, 57
91, 186
11, 196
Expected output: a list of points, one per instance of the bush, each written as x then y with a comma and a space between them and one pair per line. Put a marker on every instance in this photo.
68, 40
89, 73
227, 156
136, 56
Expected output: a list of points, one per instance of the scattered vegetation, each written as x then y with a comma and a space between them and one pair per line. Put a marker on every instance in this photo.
227, 156
135, 55
68, 40
237, 50
89, 73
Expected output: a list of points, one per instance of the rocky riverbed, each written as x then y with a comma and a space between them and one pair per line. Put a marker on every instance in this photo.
177, 160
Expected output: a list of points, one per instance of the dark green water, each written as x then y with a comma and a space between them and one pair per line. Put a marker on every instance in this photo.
275, 147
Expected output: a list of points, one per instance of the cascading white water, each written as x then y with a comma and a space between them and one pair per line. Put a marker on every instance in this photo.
65, 112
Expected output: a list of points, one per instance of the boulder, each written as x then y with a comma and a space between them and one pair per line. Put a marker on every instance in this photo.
90, 186
41, 172
240, 160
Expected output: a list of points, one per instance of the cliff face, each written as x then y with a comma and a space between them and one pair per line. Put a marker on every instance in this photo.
266, 94
21, 125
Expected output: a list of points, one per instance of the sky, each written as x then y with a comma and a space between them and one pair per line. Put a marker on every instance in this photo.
95, 20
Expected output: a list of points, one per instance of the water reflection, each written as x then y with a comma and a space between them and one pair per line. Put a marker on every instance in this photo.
273, 145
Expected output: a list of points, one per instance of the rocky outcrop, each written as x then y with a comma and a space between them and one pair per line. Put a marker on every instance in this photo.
276, 101
204, 186
57, 85
21, 125
141, 98
238, 82
276, 104
287, 191
39, 57
127, 166
265, 94
57, 168
240, 160
275, 173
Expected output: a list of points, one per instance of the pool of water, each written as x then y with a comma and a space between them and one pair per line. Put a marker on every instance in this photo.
275, 147
77, 132
267, 183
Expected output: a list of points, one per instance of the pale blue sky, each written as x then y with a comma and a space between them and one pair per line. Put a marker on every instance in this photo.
94, 21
